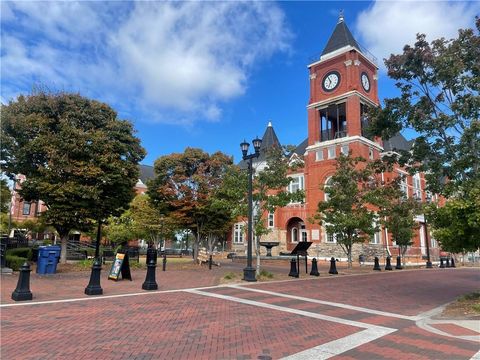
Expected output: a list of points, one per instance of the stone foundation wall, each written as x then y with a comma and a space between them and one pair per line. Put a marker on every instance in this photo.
327, 250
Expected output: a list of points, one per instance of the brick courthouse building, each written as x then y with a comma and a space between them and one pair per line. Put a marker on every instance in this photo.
343, 84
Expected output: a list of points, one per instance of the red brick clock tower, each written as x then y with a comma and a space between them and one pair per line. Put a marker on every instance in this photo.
343, 84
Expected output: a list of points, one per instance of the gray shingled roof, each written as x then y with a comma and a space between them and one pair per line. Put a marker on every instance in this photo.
397, 142
301, 148
340, 37
269, 140
146, 173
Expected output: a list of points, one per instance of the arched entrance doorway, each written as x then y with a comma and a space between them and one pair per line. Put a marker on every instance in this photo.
296, 232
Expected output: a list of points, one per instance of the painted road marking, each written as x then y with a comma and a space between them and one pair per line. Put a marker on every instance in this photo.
323, 351
476, 356
101, 297
339, 346
329, 303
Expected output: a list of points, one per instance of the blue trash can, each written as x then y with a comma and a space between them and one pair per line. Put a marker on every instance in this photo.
48, 259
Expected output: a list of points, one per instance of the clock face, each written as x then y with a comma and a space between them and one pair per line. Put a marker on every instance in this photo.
365, 82
331, 81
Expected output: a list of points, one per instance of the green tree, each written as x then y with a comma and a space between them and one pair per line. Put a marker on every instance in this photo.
271, 191
439, 84
184, 187
5, 196
457, 223
396, 213
77, 156
120, 229
149, 223
345, 214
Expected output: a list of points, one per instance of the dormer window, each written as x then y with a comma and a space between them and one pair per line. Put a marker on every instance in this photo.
333, 122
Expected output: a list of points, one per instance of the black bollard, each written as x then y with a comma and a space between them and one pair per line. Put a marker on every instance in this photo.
447, 263
453, 263
164, 262
152, 255
333, 267
22, 292
442, 265
210, 262
388, 265
314, 271
293, 268
399, 263
150, 283
376, 266
94, 287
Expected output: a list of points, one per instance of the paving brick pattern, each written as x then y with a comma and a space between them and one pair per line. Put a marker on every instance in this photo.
389, 291
182, 325
161, 326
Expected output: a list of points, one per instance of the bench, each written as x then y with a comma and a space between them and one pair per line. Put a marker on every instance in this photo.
171, 252
108, 255
203, 258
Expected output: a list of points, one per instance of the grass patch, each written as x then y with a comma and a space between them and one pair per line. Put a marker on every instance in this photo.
85, 264
229, 276
472, 301
472, 296
264, 274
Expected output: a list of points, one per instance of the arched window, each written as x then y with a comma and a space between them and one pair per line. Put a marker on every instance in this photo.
294, 234
328, 183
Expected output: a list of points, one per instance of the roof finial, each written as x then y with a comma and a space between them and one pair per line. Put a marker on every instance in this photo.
269, 124
340, 16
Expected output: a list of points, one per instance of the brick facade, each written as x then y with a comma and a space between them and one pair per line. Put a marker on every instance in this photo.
328, 135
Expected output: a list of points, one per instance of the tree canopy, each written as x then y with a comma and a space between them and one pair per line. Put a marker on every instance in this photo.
439, 85
185, 185
344, 213
77, 156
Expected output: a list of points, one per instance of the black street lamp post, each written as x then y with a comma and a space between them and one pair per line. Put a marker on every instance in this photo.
249, 271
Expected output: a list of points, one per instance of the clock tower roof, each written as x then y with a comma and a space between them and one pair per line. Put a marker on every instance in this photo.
340, 37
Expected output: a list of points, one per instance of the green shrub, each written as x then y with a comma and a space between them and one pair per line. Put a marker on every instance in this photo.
14, 262
21, 252
85, 264
266, 274
229, 276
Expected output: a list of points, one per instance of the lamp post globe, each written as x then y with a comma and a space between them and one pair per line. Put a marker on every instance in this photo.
249, 270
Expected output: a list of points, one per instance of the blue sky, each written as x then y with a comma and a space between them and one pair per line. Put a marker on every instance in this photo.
202, 74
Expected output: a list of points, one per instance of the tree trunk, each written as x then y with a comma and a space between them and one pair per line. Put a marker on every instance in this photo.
349, 255
63, 252
196, 244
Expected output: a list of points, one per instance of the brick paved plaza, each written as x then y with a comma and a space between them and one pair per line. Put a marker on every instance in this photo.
385, 315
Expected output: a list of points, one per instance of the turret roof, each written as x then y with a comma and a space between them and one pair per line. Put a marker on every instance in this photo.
340, 38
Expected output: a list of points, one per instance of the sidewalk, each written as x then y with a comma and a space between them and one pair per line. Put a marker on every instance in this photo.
364, 314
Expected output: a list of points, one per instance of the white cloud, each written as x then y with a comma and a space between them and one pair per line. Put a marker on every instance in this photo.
387, 26
173, 60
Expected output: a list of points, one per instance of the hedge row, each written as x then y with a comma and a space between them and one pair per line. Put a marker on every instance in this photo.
20, 252
14, 262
